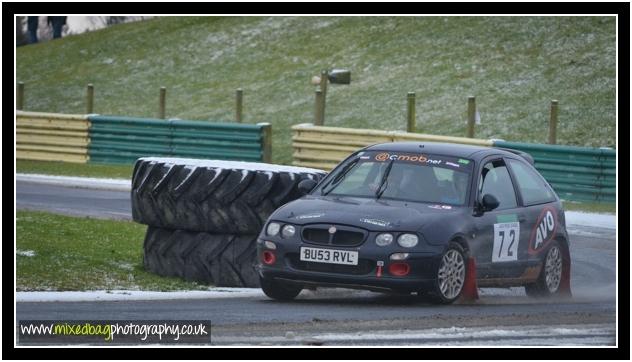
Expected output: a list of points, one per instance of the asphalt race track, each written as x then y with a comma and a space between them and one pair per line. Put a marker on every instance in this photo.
339, 316
73, 201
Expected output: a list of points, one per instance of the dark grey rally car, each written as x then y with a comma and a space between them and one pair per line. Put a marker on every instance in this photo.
405, 217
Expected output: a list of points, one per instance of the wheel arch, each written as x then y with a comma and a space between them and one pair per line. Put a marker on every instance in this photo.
563, 241
461, 240
565, 283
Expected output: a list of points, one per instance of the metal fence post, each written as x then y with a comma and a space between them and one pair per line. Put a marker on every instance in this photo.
318, 108
324, 78
411, 124
471, 116
266, 141
239, 96
161, 104
553, 122
89, 98
20, 96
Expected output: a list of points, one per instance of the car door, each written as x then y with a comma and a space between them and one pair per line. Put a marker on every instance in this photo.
540, 209
501, 242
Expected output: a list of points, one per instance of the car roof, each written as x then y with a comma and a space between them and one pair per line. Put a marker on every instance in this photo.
446, 149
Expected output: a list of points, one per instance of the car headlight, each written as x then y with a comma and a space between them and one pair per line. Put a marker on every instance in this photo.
288, 231
407, 240
273, 228
384, 239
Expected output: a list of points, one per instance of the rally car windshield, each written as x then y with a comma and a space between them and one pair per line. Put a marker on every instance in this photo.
402, 176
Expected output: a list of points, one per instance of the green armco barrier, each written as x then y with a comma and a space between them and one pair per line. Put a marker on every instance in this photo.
575, 173
115, 139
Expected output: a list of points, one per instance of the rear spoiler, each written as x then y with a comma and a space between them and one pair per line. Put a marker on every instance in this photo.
522, 154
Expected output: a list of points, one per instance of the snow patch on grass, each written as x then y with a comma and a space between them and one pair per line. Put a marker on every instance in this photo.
27, 253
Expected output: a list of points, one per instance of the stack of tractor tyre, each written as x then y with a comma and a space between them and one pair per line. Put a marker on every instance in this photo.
204, 216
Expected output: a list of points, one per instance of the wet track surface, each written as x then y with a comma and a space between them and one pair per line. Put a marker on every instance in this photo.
340, 316
73, 201
351, 315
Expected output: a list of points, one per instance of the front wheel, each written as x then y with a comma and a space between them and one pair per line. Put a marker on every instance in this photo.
279, 291
450, 277
548, 282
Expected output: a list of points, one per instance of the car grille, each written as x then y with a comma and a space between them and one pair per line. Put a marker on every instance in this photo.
364, 266
344, 235
316, 235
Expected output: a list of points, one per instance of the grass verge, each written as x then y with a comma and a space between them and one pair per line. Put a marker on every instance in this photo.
61, 253
590, 207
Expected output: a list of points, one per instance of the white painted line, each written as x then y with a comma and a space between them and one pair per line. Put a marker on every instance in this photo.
78, 182
127, 295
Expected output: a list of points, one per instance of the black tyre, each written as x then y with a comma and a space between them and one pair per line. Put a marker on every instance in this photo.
279, 291
220, 259
549, 280
450, 275
181, 194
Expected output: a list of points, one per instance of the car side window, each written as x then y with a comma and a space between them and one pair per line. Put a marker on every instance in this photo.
533, 188
495, 180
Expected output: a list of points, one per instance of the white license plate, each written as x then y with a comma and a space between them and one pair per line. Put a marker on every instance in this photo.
329, 256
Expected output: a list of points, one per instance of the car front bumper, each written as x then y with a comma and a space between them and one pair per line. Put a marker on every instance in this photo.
367, 275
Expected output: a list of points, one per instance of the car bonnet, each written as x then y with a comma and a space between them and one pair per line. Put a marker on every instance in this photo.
367, 213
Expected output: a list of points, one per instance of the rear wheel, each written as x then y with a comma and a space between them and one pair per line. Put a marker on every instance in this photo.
450, 277
279, 291
548, 282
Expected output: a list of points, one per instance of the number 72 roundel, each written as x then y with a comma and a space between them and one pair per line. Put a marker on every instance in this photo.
506, 239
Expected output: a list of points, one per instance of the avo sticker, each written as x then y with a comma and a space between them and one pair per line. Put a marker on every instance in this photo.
544, 230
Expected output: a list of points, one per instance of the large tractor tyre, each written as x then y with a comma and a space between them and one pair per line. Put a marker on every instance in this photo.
221, 259
228, 198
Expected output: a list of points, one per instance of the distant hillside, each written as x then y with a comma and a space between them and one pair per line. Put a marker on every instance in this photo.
514, 65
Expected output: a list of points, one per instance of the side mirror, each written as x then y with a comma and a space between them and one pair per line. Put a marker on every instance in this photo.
490, 202
306, 186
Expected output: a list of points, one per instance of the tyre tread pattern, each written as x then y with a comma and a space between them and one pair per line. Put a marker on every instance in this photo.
224, 260
209, 199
